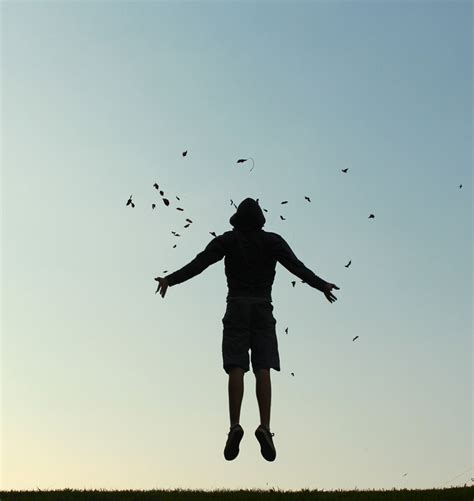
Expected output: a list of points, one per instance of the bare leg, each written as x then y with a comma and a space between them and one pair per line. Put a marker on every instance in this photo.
264, 395
236, 392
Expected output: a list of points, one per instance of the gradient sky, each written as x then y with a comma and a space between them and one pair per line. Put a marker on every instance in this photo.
107, 385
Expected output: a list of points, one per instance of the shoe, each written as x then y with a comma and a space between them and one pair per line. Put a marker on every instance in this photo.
264, 436
235, 435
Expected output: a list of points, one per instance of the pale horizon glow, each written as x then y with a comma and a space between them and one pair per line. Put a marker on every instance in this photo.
105, 384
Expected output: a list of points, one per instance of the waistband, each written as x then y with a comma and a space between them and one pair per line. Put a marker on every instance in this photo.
248, 299
263, 292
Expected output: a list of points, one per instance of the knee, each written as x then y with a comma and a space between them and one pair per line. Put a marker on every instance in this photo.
236, 371
262, 373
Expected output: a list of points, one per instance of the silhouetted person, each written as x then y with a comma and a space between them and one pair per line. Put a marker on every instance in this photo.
250, 256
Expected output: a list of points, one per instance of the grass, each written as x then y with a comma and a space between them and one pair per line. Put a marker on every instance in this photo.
452, 494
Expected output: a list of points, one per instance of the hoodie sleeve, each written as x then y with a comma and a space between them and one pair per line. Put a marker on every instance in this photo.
286, 257
213, 252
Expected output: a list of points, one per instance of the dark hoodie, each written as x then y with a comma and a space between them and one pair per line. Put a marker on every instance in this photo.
250, 255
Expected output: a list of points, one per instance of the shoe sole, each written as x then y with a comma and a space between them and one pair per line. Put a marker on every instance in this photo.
231, 450
268, 452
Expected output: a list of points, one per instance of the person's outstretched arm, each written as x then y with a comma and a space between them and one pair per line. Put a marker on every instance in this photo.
213, 252
286, 257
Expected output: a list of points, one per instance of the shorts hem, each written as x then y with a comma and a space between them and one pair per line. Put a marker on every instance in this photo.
231, 366
276, 368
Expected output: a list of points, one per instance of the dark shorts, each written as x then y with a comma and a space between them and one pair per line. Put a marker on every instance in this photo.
249, 325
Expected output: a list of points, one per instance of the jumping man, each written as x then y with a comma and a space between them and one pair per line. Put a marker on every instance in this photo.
250, 255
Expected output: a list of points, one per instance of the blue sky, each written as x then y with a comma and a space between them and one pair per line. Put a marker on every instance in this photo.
107, 385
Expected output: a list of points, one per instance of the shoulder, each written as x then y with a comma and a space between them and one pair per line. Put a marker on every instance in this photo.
273, 237
225, 238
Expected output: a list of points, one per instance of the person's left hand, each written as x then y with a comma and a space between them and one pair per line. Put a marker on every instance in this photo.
327, 291
162, 286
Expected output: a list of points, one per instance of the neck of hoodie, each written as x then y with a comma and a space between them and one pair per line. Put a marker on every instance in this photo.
246, 229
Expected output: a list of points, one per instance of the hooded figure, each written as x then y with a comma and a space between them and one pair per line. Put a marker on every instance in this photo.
248, 217
250, 257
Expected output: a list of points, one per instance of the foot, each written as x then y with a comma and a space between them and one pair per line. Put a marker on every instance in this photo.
235, 435
264, 436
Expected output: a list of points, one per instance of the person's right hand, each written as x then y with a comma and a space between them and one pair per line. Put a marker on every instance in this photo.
162, 286
327, 292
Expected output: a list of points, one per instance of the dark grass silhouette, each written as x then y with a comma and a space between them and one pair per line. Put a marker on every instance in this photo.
449, 494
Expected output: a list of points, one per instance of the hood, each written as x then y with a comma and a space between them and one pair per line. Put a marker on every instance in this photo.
249, 216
